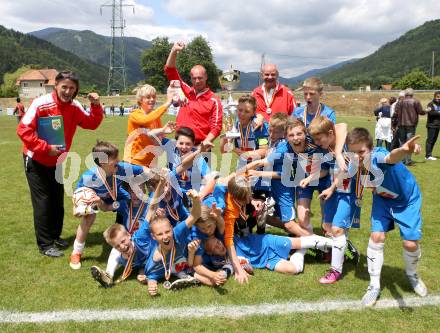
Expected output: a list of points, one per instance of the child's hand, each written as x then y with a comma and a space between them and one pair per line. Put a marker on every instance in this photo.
241, 276
326, 194
304, 182
160, 212
169, 127
215, 211
219, 278
411, 146
193, 245
152, 287
192, 194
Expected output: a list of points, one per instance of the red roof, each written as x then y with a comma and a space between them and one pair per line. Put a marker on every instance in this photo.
46, 75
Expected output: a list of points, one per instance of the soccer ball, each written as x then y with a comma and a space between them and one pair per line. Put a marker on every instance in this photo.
84, 202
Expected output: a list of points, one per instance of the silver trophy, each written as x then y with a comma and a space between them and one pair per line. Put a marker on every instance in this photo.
229, 80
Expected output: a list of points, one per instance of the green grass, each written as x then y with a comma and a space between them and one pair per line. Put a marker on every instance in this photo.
32, 282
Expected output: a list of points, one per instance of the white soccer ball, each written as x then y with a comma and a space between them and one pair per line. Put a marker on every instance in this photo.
84, 201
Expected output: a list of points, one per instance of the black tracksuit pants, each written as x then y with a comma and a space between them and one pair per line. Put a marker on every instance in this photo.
47, 197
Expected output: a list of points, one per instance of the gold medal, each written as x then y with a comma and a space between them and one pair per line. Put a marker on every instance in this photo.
358, 202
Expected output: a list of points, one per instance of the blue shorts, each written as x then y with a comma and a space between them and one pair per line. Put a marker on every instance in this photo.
339, 210
279, 249
307, 193
409, 217
285, 202
263, 251
285, 213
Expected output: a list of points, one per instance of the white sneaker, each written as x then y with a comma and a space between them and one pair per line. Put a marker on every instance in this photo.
418, 285
371, 296
431, 158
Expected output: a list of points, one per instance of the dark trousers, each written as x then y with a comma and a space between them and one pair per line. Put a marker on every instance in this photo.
387, 144
431, 139
406, 133
47, 197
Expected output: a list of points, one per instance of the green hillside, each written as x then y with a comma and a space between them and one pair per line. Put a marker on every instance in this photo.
392, 60
17, 49
96, 48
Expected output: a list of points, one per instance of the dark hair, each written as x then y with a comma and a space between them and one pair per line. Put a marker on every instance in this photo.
360, 135
104, 147
18, 100
68, 75
248, 99
186, 131
392, 100
437, 93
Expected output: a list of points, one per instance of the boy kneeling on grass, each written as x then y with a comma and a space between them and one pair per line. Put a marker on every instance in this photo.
106, 181
396, 199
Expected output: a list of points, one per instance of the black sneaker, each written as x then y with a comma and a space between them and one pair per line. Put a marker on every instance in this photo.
59, 242
351, 253
52, 252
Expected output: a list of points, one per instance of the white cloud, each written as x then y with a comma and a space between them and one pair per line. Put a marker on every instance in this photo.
298, 35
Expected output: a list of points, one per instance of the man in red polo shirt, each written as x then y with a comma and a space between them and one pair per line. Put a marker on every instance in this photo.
203, 111
272, 96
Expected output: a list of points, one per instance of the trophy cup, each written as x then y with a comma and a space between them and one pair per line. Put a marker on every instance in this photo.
229, 80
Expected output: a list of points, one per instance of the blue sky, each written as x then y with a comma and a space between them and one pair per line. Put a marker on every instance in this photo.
297, 35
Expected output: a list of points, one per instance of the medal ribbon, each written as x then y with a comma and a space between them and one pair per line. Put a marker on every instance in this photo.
245, 139
173, 213
134, 223
173, 254
360, 183
268, 101
318, 112
113, 191
128, 267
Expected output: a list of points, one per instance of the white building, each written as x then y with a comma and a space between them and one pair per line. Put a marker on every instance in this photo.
36, 82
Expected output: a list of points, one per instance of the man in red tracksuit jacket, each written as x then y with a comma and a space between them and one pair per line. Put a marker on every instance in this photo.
41, 159
203, 112
272, 96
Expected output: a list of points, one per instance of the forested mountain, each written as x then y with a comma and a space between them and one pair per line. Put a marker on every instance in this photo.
393, 60
96, 48
18, 49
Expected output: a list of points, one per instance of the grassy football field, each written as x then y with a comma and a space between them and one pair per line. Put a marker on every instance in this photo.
31, 282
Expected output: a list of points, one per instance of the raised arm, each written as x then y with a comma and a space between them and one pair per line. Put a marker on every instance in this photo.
398, 154
196, 209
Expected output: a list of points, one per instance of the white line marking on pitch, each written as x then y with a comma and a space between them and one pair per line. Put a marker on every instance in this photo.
229, 311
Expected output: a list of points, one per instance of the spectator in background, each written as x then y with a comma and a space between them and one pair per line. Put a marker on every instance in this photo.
19, 110
112, 110
406, 115
395, 143
121, 110
383, 130
432, 125
203, 113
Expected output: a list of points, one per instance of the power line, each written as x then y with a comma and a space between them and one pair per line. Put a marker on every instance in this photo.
116, 74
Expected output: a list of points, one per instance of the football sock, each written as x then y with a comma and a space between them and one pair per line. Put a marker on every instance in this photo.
316, 242
113, 262
375, 262
78, 247
338, 251
297, 259
411, 260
